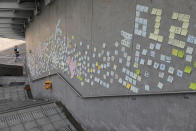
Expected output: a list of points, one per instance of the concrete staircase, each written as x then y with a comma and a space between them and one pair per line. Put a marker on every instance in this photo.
19, 113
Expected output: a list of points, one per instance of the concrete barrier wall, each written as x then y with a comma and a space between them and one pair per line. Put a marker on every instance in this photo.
94, 44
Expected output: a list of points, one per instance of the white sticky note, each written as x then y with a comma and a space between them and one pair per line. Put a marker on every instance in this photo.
112, 58
161, 74
152, 53
189, 50
128, 64
179, 73
128, 58
138, 46
158, 46
125, 54
108, 53
147, 74
160, 85
115, 67
162, 57
171, 70
188, 58
103, 45
104, 58
112, 73
162, 67
142, 61
124, 83
147, 87
156, 65
124, 70
120, 60
149, 62
152, 46
144, 52
116, 44
170, 79
137, 53
120, 80
116, 52
136, 59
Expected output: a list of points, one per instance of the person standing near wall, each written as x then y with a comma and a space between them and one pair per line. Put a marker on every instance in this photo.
16, 51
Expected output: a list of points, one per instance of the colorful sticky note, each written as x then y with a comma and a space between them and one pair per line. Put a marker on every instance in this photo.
73, 37
97, 64
138, 71
181, 54
91, 70
160, 38
188, 69
128, 86
70, 45
174, 52
174, 16
192, 86
99, 67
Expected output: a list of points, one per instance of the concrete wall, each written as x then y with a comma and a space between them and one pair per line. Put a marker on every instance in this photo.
80, 28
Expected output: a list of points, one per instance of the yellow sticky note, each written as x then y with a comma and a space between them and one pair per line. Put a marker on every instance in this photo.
70, 45
91, 70
160, 38
138, 71
157, 25
156, 31
180, 17
174, 16
128, 86
99, 67
159, 12
178, 30
181, 54
158, 19
174, 52
172, 29
72, 37
97, 63
155, 37
151, 36
185, 25
192, 86
188, 69
184, 32
195, 64
154, 11
171, 35
80, 78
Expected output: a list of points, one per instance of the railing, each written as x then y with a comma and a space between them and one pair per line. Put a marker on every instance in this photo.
103, 96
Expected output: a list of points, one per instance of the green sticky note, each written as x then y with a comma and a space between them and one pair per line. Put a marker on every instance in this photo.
188, 69
195, 64
181, 54
192, 86
138, 71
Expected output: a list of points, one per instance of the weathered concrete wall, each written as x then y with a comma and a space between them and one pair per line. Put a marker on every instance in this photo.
91, 31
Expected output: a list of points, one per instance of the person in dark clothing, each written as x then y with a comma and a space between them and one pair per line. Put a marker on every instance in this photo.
16, 51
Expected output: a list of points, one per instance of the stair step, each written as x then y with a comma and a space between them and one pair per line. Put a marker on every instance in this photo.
45, 116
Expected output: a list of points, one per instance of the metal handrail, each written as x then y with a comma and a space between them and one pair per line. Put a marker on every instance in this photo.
104, 96
69, 84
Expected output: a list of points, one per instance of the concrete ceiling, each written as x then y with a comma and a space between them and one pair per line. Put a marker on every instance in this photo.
15, 15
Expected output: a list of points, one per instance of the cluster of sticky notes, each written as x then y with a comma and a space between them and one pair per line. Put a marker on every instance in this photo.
155, 36
192, 86
80, 78
140, 21
180, 54
179, 30
188, 69
127, 39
